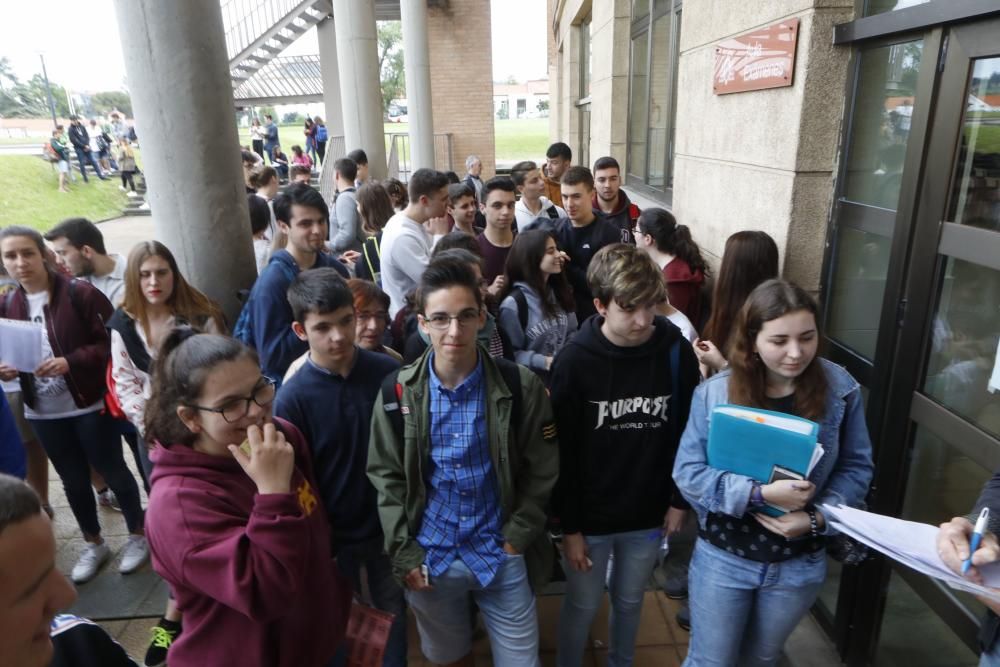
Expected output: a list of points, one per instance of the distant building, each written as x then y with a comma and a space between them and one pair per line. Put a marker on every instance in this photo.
521, 100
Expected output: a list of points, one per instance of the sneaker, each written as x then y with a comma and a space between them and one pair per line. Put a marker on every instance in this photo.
90, 561
135, 553
684, 618
164, 633
106, 498
122, 188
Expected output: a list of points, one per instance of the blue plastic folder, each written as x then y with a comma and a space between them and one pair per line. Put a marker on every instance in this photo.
763, 445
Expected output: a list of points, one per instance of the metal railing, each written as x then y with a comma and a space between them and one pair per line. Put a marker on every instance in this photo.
399, 162
246, 20
334, 150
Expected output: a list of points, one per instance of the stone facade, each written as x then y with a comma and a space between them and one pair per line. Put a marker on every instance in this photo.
461, 60
755, 160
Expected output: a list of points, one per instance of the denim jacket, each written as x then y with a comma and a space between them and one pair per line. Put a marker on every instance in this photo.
842, 476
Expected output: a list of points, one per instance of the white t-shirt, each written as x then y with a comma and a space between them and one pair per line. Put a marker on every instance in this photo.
406, 252
52, 397
94, 131
113, 284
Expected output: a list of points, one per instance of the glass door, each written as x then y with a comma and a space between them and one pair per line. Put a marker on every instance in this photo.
941, 425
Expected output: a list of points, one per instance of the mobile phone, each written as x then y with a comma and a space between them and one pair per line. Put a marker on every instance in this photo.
425, 574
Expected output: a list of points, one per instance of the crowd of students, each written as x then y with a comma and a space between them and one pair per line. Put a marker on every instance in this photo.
423, 393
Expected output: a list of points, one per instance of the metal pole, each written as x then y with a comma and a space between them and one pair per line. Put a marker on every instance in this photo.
48, 92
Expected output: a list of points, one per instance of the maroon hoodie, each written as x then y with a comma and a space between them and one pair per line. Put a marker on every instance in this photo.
252, 573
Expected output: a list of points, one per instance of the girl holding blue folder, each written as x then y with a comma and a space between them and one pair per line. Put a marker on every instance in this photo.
753, 577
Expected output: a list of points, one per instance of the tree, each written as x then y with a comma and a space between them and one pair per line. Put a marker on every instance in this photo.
28, 99
291, 117
390, 62
109, 100
7, 73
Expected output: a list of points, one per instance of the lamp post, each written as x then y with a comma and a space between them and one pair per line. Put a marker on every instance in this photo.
48, 92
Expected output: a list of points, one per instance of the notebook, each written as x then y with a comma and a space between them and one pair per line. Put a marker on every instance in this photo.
763, 445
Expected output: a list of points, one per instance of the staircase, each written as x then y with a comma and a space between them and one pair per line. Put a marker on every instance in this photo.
259, 30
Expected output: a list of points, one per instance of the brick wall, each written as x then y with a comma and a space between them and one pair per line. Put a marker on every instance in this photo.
461, 80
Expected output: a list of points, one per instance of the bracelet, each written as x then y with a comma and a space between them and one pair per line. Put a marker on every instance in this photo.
813, 526
756, 495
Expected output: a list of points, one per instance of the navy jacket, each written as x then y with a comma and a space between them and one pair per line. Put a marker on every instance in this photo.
274, 340
334, 414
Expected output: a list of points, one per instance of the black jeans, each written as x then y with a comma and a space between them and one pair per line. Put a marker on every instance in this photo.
93, 438
128, 180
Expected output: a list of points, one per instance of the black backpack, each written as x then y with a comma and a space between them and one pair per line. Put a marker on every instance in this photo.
392, 394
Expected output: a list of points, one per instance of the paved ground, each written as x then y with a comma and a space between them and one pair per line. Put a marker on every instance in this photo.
128, 606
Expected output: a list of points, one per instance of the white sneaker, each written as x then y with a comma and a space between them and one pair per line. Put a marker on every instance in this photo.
135, 553
90, 561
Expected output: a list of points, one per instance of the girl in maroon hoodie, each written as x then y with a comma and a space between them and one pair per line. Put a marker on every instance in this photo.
237, 530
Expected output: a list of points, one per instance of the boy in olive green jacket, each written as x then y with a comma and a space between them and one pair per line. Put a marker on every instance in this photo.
462, 493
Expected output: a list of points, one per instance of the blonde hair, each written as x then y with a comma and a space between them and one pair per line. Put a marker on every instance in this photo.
624, 274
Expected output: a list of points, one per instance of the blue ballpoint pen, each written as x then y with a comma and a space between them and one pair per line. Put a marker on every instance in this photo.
977, 537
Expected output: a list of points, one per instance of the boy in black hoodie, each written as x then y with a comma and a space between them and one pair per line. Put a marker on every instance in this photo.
621, 391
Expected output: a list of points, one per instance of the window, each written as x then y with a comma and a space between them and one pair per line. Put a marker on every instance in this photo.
653, 95
583, 98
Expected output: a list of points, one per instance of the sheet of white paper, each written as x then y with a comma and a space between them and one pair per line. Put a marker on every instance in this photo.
910, 543
994, 384
21, 344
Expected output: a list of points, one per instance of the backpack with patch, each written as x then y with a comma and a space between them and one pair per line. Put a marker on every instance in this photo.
243, 330
50, 153
392, 395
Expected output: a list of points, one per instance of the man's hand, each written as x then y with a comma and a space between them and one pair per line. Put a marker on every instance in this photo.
415, 581
52, 367
953, 547
673, 521
510, 549
7, 373
497, 287
437, 226
790, 525
575, 550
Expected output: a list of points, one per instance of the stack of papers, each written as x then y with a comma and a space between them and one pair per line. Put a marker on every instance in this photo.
21, 344
910, 543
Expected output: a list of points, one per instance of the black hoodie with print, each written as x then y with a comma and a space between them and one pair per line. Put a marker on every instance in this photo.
619, 421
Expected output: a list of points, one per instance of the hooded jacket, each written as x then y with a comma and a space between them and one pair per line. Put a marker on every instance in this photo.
541, 336
623, 217
252, 573
619, 422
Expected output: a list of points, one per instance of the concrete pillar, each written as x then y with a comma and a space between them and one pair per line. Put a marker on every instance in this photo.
361, 92
326, 31
178, 76
417, 62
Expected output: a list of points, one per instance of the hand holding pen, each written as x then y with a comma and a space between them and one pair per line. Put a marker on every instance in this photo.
955, 547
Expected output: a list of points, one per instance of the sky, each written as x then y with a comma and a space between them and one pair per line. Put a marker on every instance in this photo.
94, 62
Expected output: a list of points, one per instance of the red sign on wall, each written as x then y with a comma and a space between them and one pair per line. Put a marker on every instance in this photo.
763, 58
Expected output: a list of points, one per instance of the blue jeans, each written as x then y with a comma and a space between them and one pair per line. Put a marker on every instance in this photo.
85, 157
93, 438
991, 656
507, 606
385, 593
742, 611
635, 554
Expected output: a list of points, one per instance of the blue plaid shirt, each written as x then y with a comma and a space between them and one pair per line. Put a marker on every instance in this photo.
462, 517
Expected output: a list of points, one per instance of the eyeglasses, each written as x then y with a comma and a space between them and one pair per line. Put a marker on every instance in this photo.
238, 408
442, 321
638, 232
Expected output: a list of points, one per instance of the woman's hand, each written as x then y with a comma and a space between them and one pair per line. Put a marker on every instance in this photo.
7, 373
789, 494
575, 550
52, 367
709, 355
496, 288
790, 525
271, 460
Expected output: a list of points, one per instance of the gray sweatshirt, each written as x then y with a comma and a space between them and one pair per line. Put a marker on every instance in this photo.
543, 336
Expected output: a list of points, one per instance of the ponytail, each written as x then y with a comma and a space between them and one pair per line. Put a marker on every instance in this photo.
672, 238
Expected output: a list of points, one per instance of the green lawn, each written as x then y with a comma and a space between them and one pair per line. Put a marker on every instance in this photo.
32, 198
515, 139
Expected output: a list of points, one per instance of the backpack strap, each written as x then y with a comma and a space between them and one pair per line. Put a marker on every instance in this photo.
521, 301
392, 395
368, 259
552, 212
675, 374
512, 378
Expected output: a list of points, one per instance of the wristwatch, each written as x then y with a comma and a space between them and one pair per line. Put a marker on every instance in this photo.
756, 495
